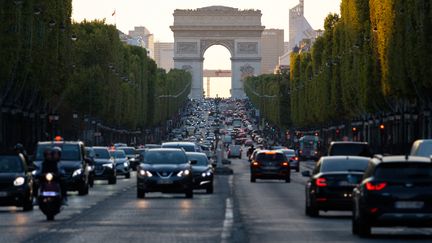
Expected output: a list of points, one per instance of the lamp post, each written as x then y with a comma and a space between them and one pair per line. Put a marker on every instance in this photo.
75, 119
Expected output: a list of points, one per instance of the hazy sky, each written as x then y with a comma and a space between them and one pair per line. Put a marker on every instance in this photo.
157, 17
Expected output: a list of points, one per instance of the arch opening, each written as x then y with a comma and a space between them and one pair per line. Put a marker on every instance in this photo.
217, 80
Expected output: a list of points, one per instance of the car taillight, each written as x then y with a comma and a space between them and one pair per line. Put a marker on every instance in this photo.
375, 187
255, 163
295, 158
300, 151
321, 182
285, 164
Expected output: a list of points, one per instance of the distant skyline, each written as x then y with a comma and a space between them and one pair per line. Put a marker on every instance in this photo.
157, 18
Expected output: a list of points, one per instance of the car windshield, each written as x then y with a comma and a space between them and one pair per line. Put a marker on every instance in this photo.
350, 149
70, 152
101, 153
119, 154
10, 164
201, 160
330, 165
289, 154
165, 157
128, 151
187, 148
270, 157
404, 171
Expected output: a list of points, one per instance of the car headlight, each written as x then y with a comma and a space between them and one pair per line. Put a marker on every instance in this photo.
34, 172
108, 165
76, 173
183, 173
145, 173
207, 173
125, 164
49, 177
132, 159
19, 181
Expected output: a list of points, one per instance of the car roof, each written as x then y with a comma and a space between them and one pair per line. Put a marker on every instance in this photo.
100, 147
270, 151
196, 153
60, 142
401, 159
347, 142
178, 143
428, 141
342, 157
165, 149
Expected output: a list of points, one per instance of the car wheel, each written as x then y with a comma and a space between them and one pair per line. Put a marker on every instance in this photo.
364, 228
310, 210
297, 169
189, 194
128, 175
83, 190
354, 224
209, 189
140, 193
50, 217
112, 180
252, 179
28, 205
288, 179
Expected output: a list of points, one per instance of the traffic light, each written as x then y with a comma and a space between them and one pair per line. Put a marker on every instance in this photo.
354, 129
337, 132
382, 127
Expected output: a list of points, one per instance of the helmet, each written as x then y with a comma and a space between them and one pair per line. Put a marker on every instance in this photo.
56, 150
19, 147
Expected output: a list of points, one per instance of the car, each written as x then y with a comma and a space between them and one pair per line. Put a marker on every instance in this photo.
293, 158
152, 146
207, 150
202, 171
270, 165
422, 148
309, 148
395, 191
122, 163
132, 155
331, 183
73, 161
187, 146
349, 148
16, 182
235, 151
165, 170
104, 165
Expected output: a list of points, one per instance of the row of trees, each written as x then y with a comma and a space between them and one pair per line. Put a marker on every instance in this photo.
372, 59
50, 65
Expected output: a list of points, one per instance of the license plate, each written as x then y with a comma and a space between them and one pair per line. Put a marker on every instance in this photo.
346, 183
409, 205
49, 194
3, 194
165, 182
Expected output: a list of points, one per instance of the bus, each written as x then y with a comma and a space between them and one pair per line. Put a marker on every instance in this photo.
309, 148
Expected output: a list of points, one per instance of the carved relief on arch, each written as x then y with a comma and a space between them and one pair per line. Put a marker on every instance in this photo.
229, 44
187, 68
246, 71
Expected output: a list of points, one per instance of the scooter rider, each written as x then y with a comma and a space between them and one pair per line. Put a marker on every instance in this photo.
51, 165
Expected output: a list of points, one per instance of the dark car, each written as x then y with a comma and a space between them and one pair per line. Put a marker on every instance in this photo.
349, 148
132, 156
165, 170
121, 162
395, 191
16, 182
202, 171
104, 165
73, 161
270, 165
187, 146
331, 184
293, 158
152, 146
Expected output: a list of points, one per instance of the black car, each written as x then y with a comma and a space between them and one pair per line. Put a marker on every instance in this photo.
16, 182
395, 191
132, 156
73, 161
270, 165
202, 171
104, 165
165, 170
331, 184
349, 148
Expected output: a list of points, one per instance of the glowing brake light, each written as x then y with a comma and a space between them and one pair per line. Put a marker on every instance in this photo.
285, 163
375, 187
58, 139
255, 163
321, 182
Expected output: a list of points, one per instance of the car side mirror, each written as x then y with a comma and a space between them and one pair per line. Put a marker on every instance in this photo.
306, 173
194, 162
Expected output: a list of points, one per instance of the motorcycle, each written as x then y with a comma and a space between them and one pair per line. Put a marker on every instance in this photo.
50, 196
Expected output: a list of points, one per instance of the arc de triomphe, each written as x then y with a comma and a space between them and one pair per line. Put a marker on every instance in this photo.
237, 30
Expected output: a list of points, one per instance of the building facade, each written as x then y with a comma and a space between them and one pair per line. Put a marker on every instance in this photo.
272, 47
164, 55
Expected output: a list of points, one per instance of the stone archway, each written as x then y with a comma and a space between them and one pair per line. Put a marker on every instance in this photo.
238, 30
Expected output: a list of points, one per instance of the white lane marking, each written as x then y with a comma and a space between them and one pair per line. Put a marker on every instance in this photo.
229, 215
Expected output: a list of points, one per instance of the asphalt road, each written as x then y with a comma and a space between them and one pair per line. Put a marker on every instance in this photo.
238, 211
